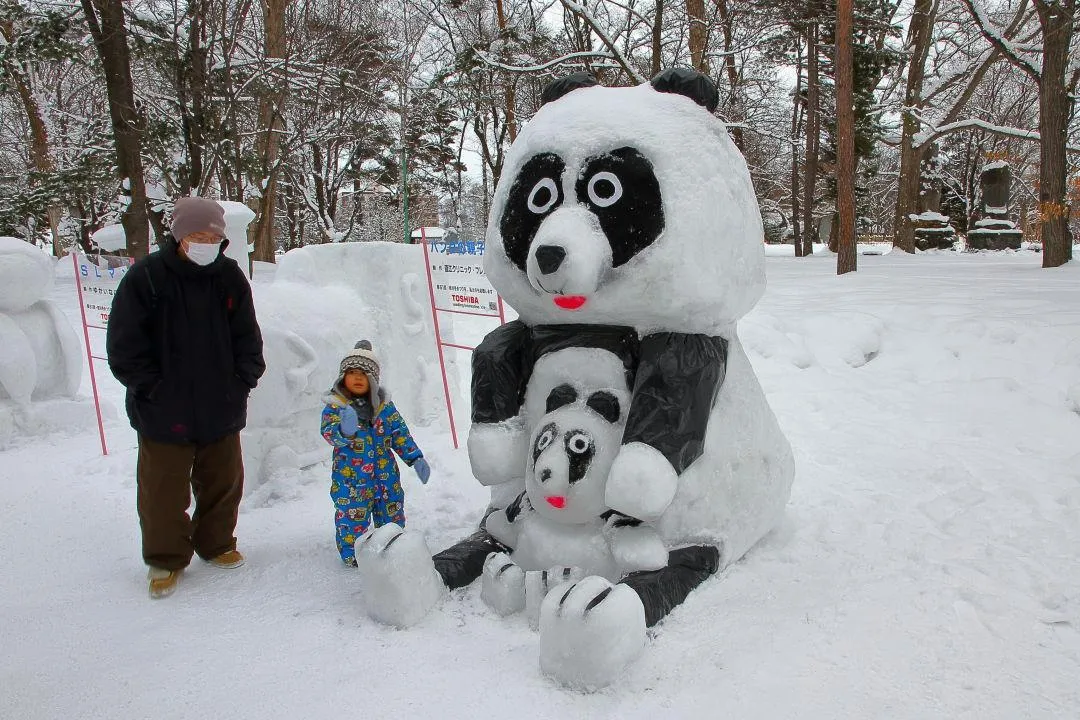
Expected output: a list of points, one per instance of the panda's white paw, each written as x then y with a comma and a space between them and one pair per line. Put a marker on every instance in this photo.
497, 451
503, 584
637, 548
590, 632
539, 582
399, 583
641, 482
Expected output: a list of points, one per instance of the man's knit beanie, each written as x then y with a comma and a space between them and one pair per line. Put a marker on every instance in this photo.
362, 358
197, 214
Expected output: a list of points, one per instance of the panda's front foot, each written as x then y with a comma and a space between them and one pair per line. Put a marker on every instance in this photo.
590, 632
641, 483
503, 584
399, 583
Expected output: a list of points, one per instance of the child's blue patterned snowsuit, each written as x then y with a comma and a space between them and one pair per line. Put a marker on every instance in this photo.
364, 483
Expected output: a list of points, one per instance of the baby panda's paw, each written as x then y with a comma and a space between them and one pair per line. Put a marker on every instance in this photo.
641, 483
503, 584
590, 632
636, 547
399, 583
497, 451
539, 582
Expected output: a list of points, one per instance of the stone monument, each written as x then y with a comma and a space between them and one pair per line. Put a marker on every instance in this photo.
993, 230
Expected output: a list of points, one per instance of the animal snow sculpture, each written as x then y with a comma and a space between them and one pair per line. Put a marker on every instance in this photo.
41, 354
626, 234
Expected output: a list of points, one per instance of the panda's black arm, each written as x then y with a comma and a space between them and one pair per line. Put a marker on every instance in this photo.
677, 381
500, 372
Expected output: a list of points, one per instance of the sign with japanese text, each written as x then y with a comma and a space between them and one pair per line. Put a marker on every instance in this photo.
458, 280
98, 278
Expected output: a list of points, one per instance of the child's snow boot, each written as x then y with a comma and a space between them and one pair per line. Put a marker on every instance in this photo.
162, 582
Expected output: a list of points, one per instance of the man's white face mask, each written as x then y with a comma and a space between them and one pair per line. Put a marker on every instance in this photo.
202, 253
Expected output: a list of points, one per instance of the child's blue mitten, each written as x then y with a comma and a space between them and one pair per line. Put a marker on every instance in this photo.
349, 422
423, 470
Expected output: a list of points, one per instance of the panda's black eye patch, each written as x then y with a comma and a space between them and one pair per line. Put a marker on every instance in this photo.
535, 194
621, 188
606, 404
560, 397
544, 439
579, 450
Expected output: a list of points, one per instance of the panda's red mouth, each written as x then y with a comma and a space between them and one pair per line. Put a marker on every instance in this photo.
570, 302
556, 501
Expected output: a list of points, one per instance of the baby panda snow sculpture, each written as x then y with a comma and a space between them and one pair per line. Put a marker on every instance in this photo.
625, 232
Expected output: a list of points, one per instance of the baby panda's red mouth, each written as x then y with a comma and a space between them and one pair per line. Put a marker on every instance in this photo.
556, 501
570, 302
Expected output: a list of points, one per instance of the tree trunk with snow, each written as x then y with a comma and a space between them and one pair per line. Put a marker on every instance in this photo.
695, 16
271, 125
813, 120
920, 33
796, 106
846, 257
657, 39
1055, 104
105, 18
728, 31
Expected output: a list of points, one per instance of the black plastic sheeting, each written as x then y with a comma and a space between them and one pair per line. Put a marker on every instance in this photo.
678, 378
462, 562
661, 591
502, 364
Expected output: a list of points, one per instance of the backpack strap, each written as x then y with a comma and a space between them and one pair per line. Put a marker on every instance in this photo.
154, 269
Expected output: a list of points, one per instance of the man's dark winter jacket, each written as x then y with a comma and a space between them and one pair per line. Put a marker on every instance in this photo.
184, 341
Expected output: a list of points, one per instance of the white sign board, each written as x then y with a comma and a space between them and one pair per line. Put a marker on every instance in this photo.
98, 279
458, 281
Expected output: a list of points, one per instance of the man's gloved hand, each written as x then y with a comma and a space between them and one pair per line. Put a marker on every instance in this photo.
349, 421
423, 470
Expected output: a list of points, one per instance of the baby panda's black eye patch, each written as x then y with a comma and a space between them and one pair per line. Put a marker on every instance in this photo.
621, 188
544, 439
535, 194
605, 404
560, 396
579, 450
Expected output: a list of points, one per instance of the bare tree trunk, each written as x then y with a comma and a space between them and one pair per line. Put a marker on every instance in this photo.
657, 37
795, 106
846, 256
508, 92
271, 125
813, 133
728, 29
105, 19
920, 32
695, 16
1057, 20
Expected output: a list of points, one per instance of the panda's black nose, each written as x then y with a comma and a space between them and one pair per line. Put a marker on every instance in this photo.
549, 258
545, 475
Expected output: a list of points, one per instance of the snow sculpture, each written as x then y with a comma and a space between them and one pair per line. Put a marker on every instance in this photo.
365, 290
40, 357
626, 234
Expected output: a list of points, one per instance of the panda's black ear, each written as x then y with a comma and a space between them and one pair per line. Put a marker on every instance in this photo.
561, 86
606, 404
691, 83
560, 396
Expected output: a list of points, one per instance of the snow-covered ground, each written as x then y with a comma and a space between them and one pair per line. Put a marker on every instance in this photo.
929, 565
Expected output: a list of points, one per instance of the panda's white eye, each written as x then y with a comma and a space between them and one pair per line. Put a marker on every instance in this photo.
578, 443
604, 189
544, 195
544, 440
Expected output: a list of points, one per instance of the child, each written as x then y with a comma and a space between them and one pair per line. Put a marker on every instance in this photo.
363, 425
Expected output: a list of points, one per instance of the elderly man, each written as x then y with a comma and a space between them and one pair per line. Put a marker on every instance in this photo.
184, 341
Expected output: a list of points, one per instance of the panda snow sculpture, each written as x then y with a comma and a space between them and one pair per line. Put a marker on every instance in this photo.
626, 234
